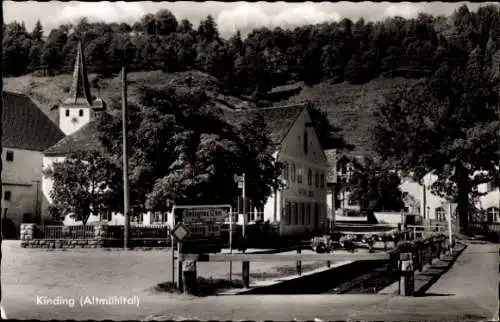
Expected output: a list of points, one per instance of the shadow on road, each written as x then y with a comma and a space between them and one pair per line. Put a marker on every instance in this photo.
434, 294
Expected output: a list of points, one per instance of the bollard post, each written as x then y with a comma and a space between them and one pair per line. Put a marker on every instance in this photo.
180, 284
190, 279
407, 275
328, 264
299, 263
246, 274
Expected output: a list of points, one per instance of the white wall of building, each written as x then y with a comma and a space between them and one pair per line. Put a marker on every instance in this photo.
292, 152
432, 203
67, 123
22, 178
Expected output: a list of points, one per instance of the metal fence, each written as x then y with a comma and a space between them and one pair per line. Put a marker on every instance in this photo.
66, 232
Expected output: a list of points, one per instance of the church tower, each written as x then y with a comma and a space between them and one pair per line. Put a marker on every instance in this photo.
80, 107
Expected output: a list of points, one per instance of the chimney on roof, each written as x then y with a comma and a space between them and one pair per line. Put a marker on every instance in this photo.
80, 87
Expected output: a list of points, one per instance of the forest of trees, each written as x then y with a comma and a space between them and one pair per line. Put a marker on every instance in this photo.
339, 51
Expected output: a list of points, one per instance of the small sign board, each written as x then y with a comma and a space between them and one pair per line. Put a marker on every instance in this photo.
203, 215
181, 232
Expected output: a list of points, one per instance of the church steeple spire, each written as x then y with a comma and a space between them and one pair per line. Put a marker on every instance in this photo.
80, 88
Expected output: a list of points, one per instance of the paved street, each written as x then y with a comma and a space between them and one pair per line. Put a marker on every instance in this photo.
28, 273
467, 291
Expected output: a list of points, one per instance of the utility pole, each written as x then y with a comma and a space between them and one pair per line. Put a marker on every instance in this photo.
424, 198
125, 160
244, 197
498, 152
1, 147
245, 269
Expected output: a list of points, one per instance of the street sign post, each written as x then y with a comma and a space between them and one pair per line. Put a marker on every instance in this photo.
204, 223
181, 232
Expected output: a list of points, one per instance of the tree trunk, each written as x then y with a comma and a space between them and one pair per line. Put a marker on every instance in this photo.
463, 199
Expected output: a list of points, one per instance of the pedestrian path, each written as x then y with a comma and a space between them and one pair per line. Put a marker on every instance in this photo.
474, 276
429, 273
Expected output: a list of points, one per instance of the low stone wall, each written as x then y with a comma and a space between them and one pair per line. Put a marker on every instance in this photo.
61, 243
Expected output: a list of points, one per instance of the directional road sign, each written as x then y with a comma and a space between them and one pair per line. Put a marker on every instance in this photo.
181, 232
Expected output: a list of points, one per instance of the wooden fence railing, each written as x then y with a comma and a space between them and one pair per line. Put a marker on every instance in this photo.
407, 257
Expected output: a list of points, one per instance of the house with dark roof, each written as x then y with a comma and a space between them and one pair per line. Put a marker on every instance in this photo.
78, 116
301, 206
27, 133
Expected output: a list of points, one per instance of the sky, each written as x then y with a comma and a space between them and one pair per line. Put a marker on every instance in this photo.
230, 16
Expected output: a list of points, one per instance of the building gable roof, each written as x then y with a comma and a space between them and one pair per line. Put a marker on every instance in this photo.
25, 126
85, 139
279, 120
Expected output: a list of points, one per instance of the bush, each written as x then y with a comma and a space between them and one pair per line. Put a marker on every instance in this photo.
206, 286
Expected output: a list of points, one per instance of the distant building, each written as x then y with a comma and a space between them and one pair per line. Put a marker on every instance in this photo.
489, 203
27, 132
301, 206
341, 169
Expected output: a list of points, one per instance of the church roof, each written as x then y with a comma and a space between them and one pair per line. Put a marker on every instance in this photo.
84, 139
80, 87
278, 120
25, 126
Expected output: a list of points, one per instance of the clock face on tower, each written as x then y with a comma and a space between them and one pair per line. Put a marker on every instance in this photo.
74, 120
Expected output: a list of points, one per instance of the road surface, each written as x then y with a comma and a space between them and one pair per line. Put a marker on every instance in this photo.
467, 292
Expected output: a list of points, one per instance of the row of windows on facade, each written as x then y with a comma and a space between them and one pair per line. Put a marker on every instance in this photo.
491, 214
293, 173
300, 213
80, 112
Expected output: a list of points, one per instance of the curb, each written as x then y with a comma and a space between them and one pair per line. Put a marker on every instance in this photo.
276, 251
393, 288
434, 279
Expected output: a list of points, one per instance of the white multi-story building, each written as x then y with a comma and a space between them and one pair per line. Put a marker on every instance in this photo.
435, 207
489, 202
27, 132
301, 206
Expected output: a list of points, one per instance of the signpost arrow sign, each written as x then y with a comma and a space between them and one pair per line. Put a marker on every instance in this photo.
181, 232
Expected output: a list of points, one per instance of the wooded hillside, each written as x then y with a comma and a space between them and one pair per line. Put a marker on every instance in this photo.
345, 66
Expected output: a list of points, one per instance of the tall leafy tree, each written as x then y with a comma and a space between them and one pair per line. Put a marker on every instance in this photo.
446, 125
85, 183
257, 162
166, 22
375, 188
197, 161
37, 32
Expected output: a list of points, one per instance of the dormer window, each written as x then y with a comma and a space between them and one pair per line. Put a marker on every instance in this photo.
67, 112
80, 112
